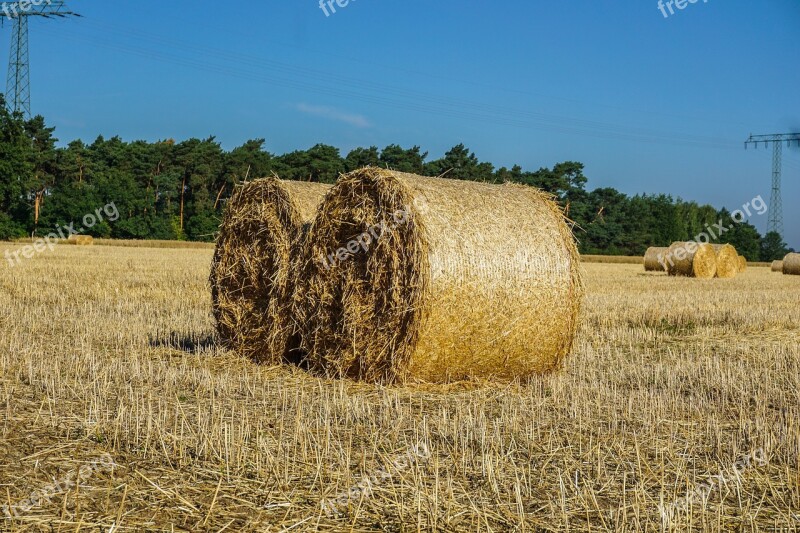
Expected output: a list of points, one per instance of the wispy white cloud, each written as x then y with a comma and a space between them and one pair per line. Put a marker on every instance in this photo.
359, 121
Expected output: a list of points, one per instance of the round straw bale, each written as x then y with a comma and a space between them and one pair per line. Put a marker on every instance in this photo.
692, 259
80, 240
791, 264
742, 263
655, 259
430, 279
727, 260
252, 271
777, 266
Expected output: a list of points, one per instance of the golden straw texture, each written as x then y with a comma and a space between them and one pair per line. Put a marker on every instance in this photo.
655, 259
692, 259
464, 280
727, 261
791, 264
777, 266
252, 274
742, 264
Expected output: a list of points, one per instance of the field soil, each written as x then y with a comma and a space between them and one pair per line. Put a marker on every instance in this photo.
678, 410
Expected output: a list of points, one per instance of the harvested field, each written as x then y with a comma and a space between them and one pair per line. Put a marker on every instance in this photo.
637, 260
670, 383
119, 243
613, 259
155, 244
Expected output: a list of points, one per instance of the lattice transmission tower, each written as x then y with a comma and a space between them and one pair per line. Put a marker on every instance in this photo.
18, 83
775, 222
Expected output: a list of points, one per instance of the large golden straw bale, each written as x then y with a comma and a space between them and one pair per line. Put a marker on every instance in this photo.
692, 259
777, 266
742, 263
727, 261
463, 280
80, 240
791, 264
655, 259
252, 274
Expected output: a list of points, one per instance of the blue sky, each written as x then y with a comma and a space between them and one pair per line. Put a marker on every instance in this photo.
647, 103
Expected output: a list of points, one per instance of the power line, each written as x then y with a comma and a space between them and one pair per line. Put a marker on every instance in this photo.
370, 91
506, 88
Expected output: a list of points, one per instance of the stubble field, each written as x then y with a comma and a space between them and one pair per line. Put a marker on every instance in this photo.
678, 409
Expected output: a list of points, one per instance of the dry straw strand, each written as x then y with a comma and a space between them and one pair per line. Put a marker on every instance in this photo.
692, 259
727, 261
473, 281
655, 259
252, 274
777, 266
791, 264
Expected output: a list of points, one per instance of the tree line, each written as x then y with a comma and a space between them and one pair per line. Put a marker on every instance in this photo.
172, 190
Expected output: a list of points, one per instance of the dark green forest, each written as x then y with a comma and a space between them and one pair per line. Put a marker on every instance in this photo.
178, 190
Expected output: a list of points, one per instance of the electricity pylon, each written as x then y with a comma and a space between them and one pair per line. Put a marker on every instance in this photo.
18, 83
775, 222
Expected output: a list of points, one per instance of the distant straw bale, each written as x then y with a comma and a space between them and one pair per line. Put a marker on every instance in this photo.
252, 274
430, 279
80, 240
742, 264
692, 259
791, 264
727, 261
655, 259
777, 266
